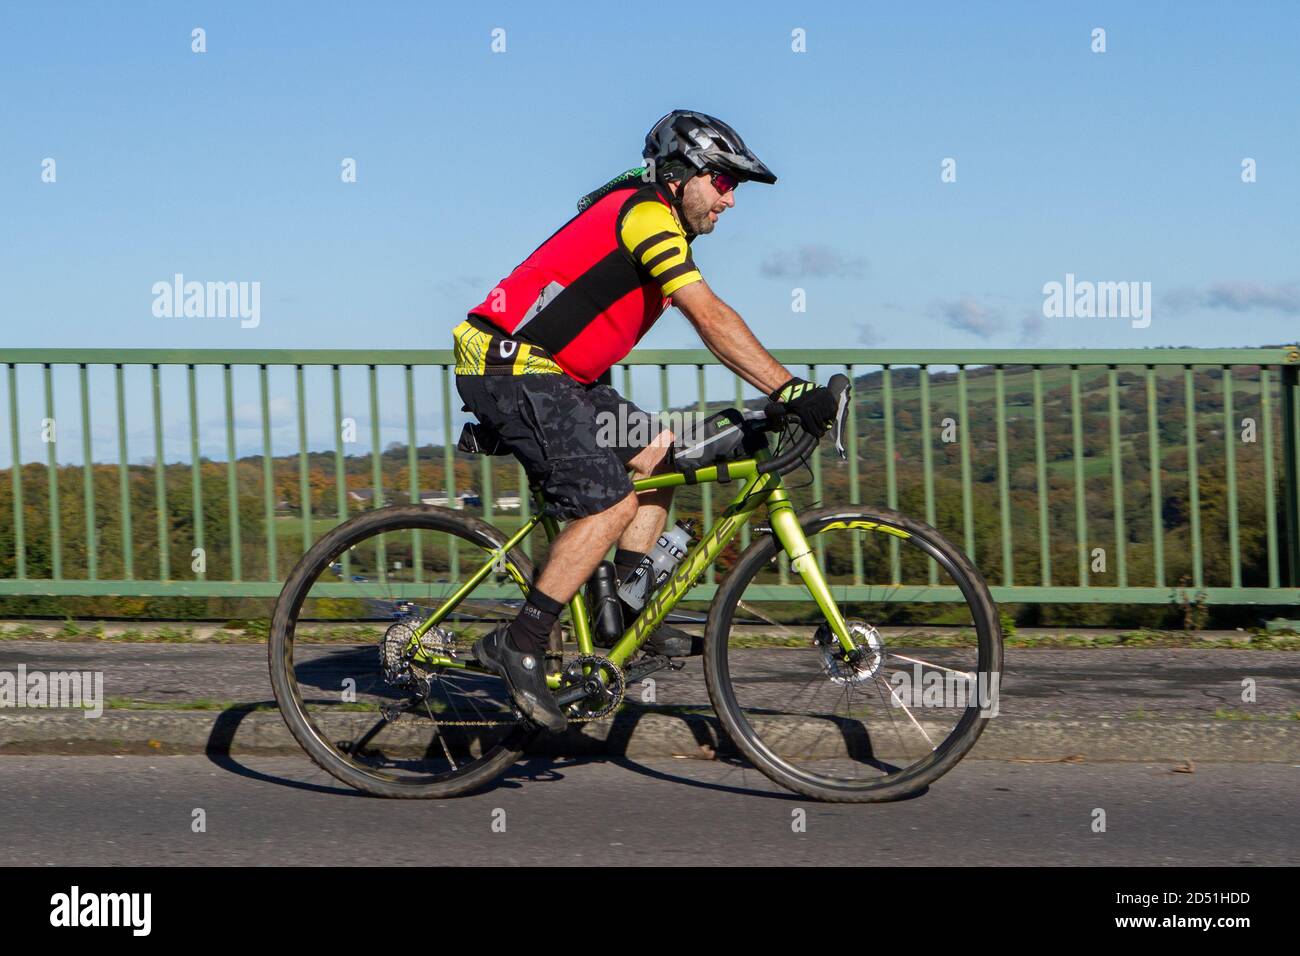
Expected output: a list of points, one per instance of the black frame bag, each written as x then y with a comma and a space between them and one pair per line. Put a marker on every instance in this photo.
727, 436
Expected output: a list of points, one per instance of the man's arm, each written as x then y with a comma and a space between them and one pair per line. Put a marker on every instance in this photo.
727, 336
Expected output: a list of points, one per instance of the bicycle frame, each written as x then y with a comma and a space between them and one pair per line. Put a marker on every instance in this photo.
756, 489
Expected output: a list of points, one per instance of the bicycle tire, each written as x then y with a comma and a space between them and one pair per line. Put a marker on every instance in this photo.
280, 652
742, 732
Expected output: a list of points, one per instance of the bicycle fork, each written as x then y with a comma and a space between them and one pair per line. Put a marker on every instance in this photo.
789, 533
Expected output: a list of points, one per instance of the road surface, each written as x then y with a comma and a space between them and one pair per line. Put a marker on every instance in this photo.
107, 810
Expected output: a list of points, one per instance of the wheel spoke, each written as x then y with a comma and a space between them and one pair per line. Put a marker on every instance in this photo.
939, 667
900, 703
456, 725
441, 740
813, 718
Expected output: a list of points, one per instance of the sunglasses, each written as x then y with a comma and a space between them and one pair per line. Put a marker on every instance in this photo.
724, 182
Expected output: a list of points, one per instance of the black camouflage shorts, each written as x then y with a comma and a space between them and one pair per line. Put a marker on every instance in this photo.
573, 440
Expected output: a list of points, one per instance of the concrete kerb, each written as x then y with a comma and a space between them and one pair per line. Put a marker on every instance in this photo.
643, 732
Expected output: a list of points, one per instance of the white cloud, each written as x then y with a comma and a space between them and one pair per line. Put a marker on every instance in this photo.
812, 260
1239, 296
967, 315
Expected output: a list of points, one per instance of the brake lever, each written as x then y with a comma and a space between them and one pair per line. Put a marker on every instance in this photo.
841, 418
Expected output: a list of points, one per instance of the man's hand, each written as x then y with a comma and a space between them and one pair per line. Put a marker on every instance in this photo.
814, 405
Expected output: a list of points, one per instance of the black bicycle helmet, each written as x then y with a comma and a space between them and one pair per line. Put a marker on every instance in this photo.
692, 142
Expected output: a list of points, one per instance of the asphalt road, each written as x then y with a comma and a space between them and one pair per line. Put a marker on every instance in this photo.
84, 810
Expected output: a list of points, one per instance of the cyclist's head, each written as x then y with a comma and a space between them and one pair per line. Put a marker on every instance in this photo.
701, 159
686, 143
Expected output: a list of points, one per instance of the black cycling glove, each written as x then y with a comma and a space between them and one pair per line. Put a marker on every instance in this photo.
814, 405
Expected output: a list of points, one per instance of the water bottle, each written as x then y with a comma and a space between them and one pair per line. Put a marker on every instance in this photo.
606, 615
656, 566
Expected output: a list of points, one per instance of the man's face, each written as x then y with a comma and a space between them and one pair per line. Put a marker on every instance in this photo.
702, 204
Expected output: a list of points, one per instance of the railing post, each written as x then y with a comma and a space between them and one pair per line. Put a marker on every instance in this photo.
56, 520
16, 476
340, 473
268, 472
88, 479
449, 465
304, 480
377, 473
232, 477
196, 473
1291, 468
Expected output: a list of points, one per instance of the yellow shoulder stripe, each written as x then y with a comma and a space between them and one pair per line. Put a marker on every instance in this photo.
651, 234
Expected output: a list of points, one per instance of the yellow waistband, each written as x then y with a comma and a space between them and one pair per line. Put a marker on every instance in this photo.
482, 353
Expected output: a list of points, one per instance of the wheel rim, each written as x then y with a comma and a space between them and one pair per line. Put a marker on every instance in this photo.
437, 725
902, 714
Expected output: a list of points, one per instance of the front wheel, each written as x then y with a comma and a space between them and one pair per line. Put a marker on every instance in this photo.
884, 723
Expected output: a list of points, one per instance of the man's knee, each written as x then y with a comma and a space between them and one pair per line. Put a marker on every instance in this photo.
622, 513
627, 508
654, 458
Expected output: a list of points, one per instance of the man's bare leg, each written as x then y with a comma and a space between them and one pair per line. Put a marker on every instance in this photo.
635, 523
581, 546
640, 536
516, 652
652, 506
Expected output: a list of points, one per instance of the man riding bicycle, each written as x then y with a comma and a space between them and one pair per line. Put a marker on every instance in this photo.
530, 356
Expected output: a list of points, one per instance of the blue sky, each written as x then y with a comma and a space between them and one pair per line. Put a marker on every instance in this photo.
225, 166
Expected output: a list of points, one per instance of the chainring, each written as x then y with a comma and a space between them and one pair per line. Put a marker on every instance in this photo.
606, 699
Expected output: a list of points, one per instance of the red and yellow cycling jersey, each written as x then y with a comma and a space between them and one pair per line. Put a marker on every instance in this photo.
591, 291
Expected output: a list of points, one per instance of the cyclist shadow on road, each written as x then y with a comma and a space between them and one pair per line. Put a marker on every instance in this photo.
222, 737
631, 739
638, 732
549, 757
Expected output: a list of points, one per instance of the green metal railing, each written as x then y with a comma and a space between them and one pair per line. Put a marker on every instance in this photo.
925, 436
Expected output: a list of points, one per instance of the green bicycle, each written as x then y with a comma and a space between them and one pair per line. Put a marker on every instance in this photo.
868, 692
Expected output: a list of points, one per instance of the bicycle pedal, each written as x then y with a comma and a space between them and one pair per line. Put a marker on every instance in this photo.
645, 666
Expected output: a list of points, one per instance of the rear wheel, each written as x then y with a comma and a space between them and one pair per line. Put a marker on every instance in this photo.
348, 689
899, 715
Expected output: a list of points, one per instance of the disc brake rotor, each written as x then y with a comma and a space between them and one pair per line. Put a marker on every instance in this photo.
839, 667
